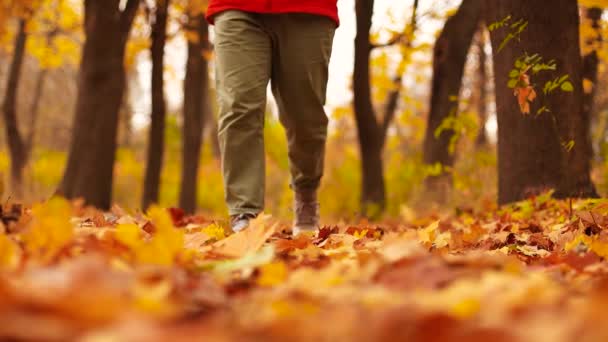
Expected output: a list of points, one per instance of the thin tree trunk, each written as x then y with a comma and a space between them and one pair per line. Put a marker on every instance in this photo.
125, 130
449, 59
89, 171
591, 66
392, 101
215, 142
531, 157
15, 141
482, 107
373, 193
156, 140
35, 110
196, 107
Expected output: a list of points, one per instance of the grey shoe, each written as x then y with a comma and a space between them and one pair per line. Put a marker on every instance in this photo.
306, 209
241, 222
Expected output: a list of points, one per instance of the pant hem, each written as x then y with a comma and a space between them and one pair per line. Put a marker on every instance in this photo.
235, 212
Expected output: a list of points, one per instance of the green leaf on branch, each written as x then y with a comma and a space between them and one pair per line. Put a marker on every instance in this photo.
567, 86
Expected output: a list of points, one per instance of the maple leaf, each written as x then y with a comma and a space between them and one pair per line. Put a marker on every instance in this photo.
247, 241
166, 243
50, 229
525, 93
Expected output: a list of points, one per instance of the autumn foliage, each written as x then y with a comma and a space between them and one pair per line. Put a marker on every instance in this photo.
524, 272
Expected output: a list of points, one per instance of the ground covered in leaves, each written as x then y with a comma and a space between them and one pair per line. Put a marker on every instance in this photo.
533, 271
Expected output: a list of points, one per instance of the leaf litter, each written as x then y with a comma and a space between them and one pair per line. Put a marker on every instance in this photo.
535, 270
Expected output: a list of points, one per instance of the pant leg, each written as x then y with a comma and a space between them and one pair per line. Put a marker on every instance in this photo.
243, 67
303, 44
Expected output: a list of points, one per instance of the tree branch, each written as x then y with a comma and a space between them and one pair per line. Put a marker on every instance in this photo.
128, 15
394, 40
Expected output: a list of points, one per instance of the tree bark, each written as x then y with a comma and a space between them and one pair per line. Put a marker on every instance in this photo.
531, 157
449, 58
196, 107
373, 193
16, 145
392, 99
482, 106
35, 110
215, 142
89, 171
156, 140
591, 67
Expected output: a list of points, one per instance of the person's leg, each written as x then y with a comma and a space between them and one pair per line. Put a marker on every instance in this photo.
243, 67
299, 81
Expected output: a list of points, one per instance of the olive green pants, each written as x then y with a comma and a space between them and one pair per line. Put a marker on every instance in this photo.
291, 51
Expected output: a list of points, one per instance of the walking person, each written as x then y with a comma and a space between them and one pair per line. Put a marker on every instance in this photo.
286, 43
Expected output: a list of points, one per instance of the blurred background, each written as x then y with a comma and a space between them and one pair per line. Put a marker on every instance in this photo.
165, 131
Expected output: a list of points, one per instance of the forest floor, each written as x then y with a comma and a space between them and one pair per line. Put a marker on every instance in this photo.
533, 271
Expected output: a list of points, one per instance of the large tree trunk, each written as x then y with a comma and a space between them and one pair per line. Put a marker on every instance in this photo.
369, 131
156, 140
196, 107
449, 58
531, 157
16, 145
89, 170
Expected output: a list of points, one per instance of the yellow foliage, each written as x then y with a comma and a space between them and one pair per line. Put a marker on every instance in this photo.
592, 242
50, 229
466, 308
594, 3
214, 231
165, 245
9, 252
153, 298
272, 274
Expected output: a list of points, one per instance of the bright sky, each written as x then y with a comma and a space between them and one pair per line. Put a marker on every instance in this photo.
339, 92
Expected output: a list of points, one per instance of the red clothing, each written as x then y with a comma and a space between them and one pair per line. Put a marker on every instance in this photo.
327, 8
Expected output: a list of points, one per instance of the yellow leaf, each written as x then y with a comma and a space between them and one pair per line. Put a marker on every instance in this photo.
427, 235
165, 245
587, 86
248, 241
129, 235
360, 234
50, 229
214, 231
272, 274
9, 253
153, 298
466, 308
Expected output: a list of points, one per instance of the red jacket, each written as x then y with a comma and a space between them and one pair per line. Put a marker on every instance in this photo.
327, 8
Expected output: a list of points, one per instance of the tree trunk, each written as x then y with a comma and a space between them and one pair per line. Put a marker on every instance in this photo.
156, 139
16, 145
449, 58
482, 106
531, 157
35, 110
369, 131
215, 142
125, 121
591, 66
196, 107
392, 99
89, 171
